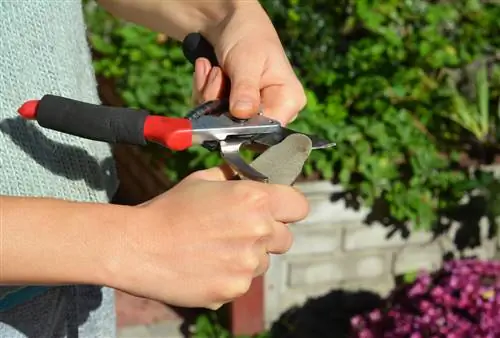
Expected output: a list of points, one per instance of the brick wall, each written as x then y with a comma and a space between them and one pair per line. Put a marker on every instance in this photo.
334, 248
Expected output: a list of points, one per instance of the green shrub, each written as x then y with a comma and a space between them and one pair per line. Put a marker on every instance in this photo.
389, 81
379, 71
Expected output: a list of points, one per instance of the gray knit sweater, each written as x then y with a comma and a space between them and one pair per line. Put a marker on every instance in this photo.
43, 50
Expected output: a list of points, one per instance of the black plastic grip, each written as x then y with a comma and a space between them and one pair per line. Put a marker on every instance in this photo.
196, 46
90, 121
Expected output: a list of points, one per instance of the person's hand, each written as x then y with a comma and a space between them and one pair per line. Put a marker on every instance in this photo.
201, 243
251, 55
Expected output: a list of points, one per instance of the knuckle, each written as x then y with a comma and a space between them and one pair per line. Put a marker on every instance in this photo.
250, 263
246, 85
215, 306
288, 242
207, 96
282, 244
237, 288
249, 195
263, 267
298, 100
301, 99
194, 176
261, 230
301, 205
303, 209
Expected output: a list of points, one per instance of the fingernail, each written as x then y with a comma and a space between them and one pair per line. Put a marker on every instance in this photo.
205, 69
243, 105
200, 67
213, 74
200, 74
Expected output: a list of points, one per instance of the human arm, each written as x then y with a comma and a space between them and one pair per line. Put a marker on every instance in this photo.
177, 18
49, 241
247, 46
181, 248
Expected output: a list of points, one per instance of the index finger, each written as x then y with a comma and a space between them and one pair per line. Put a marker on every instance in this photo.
286, 204
283, 102
220, 173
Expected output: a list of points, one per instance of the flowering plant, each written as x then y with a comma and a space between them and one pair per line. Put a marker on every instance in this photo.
460, 300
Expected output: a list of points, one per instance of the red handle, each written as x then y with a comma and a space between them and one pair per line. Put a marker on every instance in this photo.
29, 109
108, 124
174, 133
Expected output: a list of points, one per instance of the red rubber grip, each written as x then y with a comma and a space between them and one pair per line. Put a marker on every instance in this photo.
174, 133
28, 109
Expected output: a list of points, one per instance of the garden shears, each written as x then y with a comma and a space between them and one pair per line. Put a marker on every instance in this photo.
209, 124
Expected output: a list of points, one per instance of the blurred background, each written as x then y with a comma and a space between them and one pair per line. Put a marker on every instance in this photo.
406, 204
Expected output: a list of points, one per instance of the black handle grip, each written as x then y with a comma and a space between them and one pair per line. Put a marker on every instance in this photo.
196, 46
95, 122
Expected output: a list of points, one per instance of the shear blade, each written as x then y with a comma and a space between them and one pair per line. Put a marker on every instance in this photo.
272, 139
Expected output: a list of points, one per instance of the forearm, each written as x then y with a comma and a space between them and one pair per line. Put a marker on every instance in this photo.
47, 241
177, 18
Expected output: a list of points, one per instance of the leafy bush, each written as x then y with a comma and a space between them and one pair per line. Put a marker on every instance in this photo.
381, 74
389, 81
460, 300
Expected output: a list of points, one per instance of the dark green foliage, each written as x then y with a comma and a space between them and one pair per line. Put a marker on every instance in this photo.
405, 88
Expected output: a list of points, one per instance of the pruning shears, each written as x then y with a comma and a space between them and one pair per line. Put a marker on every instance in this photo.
209, 124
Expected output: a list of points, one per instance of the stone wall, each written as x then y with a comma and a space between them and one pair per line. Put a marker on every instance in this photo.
334, 248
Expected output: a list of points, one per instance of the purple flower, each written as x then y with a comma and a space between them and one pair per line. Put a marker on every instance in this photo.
460, 300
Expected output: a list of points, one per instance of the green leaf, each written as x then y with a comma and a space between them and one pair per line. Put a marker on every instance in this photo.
101, 45
410, 277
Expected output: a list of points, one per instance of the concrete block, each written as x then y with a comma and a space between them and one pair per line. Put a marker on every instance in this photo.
166, 329
337, 227
492, 168
323, 210
288, 300
418, 257
366, 266
133, 332
314, 242
318, 188
447, 245
275, 283
487, 250
381, 286
333, 269
375, 236
309, 273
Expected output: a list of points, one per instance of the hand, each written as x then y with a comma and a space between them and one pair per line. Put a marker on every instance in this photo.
201, 243
250, 53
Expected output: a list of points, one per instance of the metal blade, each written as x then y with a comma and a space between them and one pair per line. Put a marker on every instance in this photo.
230, 151
271, 139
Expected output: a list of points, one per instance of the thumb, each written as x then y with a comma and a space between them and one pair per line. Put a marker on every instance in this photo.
244, 99
220, 173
